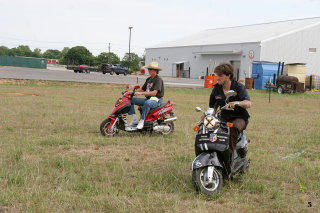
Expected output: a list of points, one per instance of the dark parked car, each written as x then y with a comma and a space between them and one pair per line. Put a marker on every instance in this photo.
118, 69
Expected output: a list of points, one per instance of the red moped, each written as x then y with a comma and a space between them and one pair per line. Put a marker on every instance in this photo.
159, 119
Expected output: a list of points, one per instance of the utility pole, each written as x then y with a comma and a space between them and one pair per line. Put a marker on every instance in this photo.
129, 48
109, 54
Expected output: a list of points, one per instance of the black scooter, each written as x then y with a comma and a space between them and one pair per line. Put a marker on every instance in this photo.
214, 162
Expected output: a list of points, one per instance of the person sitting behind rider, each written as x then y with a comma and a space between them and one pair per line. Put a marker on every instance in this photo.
240, 102
153, 90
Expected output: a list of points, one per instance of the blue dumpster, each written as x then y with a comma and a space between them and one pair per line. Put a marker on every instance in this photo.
263, 73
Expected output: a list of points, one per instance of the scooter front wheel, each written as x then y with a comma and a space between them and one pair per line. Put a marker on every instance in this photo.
204, 184
105, 128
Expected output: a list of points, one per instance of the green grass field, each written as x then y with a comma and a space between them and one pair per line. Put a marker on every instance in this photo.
53, 158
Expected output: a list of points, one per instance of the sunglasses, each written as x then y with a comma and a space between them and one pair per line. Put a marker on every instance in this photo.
152, 69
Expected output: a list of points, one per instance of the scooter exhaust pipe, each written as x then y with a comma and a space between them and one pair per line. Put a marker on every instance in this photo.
170, 119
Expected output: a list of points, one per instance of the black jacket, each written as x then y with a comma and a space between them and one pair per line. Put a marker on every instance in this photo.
217, 98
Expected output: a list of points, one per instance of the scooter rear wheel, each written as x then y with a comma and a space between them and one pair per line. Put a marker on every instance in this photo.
105, 128
205, 186
170, 130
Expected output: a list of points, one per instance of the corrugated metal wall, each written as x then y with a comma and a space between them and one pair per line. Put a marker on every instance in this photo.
295, 48
198, 63
16, 61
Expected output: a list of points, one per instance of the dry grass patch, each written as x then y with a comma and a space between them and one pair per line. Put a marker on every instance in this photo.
18, 93
134, 153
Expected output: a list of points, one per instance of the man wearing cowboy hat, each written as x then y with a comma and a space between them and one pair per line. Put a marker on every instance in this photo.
153, 90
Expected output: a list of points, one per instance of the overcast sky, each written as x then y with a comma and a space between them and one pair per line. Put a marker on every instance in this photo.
95, 23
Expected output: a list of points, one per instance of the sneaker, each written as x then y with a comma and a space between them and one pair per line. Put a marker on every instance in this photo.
134, 121
140, 124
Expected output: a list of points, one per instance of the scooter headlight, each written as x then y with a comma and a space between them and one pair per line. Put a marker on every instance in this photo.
209, 121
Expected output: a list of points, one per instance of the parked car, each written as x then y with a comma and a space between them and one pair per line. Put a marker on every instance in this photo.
118, 69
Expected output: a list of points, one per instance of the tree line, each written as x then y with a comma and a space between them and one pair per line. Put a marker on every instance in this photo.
76, 56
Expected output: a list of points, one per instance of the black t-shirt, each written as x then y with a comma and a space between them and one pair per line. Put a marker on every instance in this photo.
217, 97
154, 84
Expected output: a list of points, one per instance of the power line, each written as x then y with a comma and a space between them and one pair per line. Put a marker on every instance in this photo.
109, 54
71, 43
53, 42
117, 51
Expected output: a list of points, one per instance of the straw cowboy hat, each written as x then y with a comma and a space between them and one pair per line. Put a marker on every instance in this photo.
153, 65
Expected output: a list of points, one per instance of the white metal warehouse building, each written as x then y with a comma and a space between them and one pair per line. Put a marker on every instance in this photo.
293, 41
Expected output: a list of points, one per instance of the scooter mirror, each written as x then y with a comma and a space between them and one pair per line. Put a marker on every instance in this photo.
127, 87
230, 93
198, 109
136, 87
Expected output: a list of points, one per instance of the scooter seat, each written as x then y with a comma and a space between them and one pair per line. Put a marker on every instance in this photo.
140, 107
158, 107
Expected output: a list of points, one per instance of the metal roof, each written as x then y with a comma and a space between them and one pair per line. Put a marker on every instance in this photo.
243, 34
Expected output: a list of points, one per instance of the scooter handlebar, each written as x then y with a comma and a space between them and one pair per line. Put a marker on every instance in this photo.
132, 94
225, 108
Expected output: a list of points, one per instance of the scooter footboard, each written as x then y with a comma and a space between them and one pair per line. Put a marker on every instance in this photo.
206, 159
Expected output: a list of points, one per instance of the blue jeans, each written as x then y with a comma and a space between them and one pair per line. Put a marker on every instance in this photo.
146, 106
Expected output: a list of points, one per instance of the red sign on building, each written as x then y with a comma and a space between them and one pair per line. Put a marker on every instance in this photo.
251, 54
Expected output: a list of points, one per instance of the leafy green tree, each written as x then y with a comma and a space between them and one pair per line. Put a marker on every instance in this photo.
62, 59
110, 58
4, 50
94, 61
143, 60
37, 53
13, 51
64, 51
21, 50
79, 55
132, 61
52, 54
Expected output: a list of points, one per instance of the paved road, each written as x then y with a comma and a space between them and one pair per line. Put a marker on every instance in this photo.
62, 74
